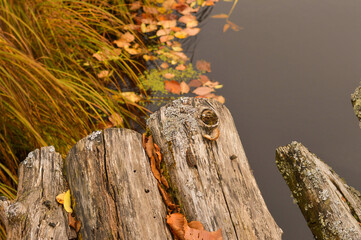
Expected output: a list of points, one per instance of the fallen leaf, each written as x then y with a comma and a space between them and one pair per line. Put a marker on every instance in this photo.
202, 91
60, 198
172, 86
222, 15
234, 26
168, 23
203, 66
226, 27
195, 83
74, 223
220, 99
116, 119
131, 96
164, 65
181, 67
196, 234
103, 74
187, 18
204, 79
166, 198
192, 31
166, 38
184, 87
176, 222
67, 202
135, 6
181, 35
168, 75
163, 32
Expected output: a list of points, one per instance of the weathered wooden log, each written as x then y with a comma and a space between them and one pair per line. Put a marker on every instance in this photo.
209, 171
356, 103
35, 214
331, 208
115, 193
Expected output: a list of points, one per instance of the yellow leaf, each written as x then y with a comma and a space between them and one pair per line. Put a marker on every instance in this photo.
181, 34
225, 27
131, 96
218, 86
67, 202
223, 15
60, 198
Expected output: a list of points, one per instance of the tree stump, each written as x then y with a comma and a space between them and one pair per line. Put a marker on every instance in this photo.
35, 214
331, 208
210, 174
115, 193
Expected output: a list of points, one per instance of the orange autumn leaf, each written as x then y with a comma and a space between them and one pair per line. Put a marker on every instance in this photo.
103, 74
74, 223
226, 27
192, 31
220, 99
184, 87
168, 75
164, 65
203, 91
166, 198
190, 231
187, 18
204, 79
203, 66
166, 38
135, 6
181, 67
172, 86
116, 119
222, 15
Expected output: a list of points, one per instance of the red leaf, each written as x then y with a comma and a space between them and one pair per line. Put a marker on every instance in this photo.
195, 83
172, 86
203, 66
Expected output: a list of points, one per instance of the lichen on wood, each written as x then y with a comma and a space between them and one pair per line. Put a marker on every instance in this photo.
331, 208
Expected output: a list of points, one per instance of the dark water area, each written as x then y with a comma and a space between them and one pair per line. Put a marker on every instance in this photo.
288, 76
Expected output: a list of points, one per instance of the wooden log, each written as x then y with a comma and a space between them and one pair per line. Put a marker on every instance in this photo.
35, 214
331, 208
210, 174
356, 103
115, 193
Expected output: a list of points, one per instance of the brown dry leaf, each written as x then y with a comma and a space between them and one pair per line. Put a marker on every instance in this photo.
135, 5
154, 169
116, 119
164, 65
163, 32
176, 222
187, 18
74, 223
195, 83
168, 75
184, 87
223, 15
166, 198
192, 31
172, 86
196, 234
196, 225
166, 38
133, 51
201, 91
128, 37
148, 145
168, 23
203, 66
204, 79
181, 67
103, 74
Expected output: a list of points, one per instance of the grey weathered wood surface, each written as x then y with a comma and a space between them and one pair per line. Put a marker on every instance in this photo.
356, 103
35, 214
220, 190
115, 193
331, 208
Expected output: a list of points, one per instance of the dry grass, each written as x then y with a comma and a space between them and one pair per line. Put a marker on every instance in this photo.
49, 91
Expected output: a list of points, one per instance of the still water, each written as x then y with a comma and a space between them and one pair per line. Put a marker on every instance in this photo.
288, 76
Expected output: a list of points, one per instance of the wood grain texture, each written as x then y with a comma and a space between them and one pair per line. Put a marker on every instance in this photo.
35, 214
331, 208
114, 190
220, 190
